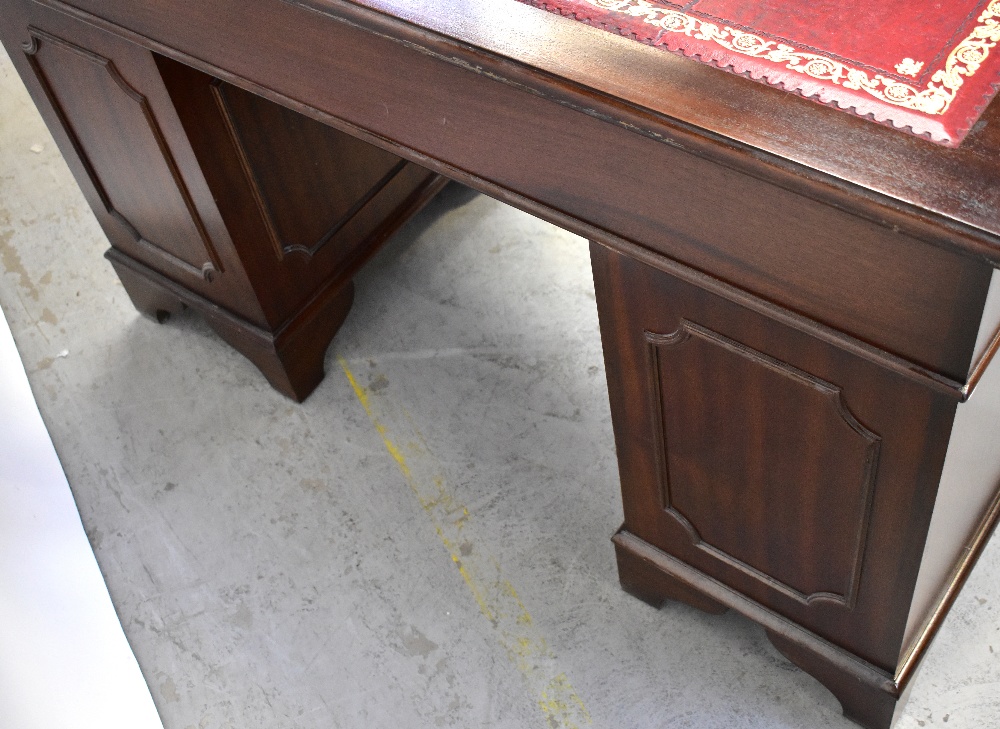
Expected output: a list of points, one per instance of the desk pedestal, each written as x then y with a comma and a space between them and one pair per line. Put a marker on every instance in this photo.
768, 471
214, 198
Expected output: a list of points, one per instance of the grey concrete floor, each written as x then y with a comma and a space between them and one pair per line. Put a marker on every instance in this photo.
425, 547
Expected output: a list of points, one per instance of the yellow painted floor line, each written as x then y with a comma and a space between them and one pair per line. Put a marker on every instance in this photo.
558, 701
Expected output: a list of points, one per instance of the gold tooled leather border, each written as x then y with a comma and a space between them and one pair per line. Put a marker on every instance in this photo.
942, 89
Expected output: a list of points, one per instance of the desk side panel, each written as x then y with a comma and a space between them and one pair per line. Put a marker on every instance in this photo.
969, 484
308, 204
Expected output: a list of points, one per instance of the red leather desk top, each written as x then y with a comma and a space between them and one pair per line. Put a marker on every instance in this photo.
927, 67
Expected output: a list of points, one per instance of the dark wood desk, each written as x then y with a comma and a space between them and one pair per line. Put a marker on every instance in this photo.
795, 303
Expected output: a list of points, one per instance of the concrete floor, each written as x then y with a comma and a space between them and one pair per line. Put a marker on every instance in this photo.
439, 559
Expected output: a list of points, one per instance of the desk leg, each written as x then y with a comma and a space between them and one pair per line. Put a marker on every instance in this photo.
641, 578
292, 360
870, 706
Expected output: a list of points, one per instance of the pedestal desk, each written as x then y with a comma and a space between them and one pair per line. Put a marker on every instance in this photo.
796, 304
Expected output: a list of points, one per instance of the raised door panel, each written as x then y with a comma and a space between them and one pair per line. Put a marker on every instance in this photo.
747, 439
150, 211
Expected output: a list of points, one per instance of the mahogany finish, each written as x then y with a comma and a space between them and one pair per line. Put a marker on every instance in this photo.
790, 297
